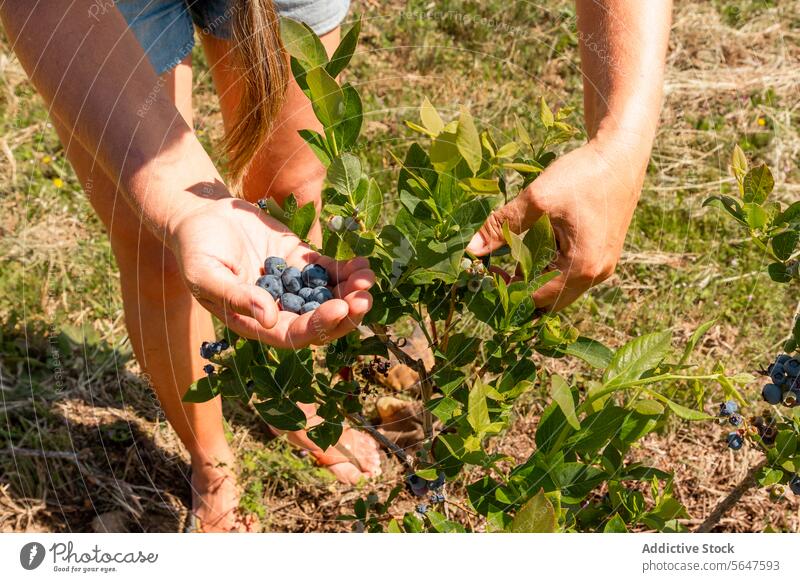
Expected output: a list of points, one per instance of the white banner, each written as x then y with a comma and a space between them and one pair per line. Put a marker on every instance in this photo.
399, 557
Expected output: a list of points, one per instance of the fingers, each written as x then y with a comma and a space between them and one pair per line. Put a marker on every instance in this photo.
520, 214
360, 280
225, 295
576, 277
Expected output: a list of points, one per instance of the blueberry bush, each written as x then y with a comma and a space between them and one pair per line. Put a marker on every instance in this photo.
489, 345
775, 229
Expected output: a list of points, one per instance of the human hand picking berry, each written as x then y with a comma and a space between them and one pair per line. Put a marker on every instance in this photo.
220, 247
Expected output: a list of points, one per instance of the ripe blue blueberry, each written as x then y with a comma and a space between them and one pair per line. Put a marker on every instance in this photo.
206, 350
782, 359
728, 407
778, 374
274, 266
292, 282
735, 440
271, 284
315, 276
794, 484
438, 482
309, 306
291, 302
418, 485
223, 344
306, 293
736, 419
771, 393
792, 367
422, 508
208, 369
322, 294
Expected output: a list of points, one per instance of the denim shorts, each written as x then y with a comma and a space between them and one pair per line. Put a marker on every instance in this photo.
165, 30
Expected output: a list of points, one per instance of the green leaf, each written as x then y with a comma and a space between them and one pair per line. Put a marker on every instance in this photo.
684, 412
758, 184
301, 43
281, 414
536, 516
325, 434
303, 219
519, 251
200, 391
545, 114
468, 141
430, 118
317, 144
327, 97
728, 204
738, 163
540, 240
344, 174
696, 337
636, 357
444, 152
590, 351
648, 407
779, 273
522, 133
615, 525
783, 244
346, 131
477, 409
755, 216
372, 205
344, 52
562, 395
508, 150
791, 214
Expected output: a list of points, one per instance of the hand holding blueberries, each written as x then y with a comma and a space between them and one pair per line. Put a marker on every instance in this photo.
220, 249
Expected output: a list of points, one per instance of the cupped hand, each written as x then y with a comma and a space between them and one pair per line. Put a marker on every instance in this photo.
220, 248
589, 195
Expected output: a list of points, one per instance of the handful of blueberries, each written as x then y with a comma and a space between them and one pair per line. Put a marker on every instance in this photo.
785, 385
295, 290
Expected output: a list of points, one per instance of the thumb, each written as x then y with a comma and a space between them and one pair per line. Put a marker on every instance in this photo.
520, 214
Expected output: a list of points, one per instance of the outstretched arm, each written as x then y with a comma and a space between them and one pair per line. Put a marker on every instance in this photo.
590, 194
95, 78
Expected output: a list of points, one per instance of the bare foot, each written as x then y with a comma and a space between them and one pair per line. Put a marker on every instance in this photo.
215, 494
353, 458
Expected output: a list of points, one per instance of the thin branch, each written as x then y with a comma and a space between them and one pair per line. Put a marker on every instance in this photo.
730, 500
425, 383
361, 422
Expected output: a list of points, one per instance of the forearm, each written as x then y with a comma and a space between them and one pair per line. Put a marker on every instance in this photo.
623, 45
94, 78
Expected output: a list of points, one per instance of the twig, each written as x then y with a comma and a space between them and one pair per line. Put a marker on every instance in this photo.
22, 452
425, 383
732, 499
361, 422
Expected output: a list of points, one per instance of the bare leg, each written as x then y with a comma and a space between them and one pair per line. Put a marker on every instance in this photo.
165, 323
285, 165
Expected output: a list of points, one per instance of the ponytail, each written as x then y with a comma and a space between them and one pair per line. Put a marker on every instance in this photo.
264, 76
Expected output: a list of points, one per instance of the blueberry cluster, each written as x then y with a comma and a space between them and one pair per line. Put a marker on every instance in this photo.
420, 487
729, 410
477, 275
209, 349
785, 385
296, 291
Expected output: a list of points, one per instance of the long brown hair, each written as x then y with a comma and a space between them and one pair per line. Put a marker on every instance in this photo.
264, 74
